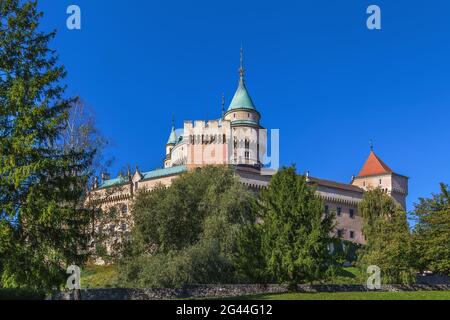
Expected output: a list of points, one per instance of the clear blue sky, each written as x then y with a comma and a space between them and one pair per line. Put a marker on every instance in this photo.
313, 69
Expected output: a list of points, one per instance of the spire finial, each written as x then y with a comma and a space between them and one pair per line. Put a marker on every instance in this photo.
223, 104
241, 69
371, 144
173, 120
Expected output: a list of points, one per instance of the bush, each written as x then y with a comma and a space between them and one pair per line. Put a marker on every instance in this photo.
186, 234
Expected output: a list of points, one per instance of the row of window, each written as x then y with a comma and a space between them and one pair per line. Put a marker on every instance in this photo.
351, 212
207, 139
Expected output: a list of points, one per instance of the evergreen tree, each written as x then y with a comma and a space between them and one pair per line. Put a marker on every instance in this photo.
388, 240
42, 182
432, 232
295, 233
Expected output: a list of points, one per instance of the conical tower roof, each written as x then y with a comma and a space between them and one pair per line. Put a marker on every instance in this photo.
172, 137
374, 166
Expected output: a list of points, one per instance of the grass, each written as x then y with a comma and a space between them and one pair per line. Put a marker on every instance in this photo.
349, 275
416, 295
95, 277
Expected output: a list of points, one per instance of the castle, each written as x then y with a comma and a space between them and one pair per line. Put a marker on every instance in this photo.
238, 139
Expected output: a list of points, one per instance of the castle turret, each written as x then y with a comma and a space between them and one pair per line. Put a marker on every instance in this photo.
377, 174
244, 120
171, 142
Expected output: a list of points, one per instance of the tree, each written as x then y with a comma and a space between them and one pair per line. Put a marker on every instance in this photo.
186, 233
432, 232
42, 184
388, 240
295, 235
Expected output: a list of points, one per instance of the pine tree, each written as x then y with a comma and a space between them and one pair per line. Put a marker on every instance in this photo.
432, 232
296, 234
42, 183
388, 240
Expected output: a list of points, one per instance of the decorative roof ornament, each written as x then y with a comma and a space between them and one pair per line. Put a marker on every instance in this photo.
241, 69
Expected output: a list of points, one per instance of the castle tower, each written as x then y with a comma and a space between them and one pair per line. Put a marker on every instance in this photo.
377, 174
170, 144
244, 119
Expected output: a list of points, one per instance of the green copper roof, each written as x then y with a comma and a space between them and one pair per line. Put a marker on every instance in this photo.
241, 99
158, 173
113, 182
164, 172
172, 137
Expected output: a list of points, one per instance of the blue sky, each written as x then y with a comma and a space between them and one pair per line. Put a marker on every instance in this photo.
314, 71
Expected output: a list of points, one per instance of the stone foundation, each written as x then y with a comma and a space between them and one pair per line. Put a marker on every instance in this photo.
223, 291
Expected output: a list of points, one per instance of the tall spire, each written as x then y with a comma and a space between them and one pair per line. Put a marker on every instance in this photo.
241, 99
241, 69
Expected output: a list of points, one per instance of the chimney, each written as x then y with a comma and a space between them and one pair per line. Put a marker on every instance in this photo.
95, 184
105, 177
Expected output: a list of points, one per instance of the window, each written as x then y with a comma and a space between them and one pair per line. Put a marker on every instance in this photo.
124, 209
380, 181
340, 233
352, 234
247, 144
224, 139
327, 209
136, 185
247, 154
338, 211
351, 213
364, 183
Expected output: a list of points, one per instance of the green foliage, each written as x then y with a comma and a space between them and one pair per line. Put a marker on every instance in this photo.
432, 232
42, 219
187, 233
389, 242
291, 243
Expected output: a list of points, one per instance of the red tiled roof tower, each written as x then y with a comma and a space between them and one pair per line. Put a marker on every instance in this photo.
374, 166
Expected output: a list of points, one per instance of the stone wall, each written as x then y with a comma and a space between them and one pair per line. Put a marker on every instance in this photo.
223, 291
